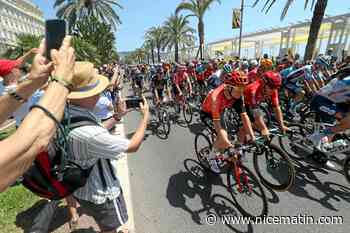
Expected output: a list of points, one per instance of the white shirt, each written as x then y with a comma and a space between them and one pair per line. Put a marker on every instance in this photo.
88, 144
102, 108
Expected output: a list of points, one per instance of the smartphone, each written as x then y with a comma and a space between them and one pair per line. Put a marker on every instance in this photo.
55, 31
133, 102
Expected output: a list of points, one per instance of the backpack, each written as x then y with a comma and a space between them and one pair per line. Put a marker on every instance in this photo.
56, 176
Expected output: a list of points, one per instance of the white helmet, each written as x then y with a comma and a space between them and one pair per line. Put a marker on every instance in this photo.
253, 62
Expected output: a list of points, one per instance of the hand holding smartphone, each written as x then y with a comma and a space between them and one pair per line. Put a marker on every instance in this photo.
55, 31
133, 102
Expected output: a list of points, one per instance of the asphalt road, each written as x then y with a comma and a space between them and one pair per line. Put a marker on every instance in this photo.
168, 198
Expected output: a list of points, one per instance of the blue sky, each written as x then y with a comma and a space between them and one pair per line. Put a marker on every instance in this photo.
139, 15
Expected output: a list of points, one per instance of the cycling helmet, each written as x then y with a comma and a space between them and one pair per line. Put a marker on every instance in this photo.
200, 68
227, 69
322, 61
160, 70
236, 78
266, 64
244, 65
272, 79
253, 63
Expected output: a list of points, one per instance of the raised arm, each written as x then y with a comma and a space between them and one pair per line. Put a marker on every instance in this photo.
34, 134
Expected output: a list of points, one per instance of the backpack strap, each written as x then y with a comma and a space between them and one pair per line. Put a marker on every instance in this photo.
80, 121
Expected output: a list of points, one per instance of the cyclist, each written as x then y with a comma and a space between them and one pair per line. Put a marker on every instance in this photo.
200, 77
264, 89
191, 71
180, 79
209, 69
217, 78
332, 102
159, 84
138, 82
227, 95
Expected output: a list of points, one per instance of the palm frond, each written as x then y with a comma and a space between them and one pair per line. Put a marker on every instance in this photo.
185, 6
286, 8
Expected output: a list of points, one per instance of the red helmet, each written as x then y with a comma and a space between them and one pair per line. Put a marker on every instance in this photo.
272, 79
236, 78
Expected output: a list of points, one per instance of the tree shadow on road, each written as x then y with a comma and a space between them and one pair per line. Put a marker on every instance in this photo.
194, 182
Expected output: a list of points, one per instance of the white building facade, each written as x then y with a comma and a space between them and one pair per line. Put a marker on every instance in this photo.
17, 17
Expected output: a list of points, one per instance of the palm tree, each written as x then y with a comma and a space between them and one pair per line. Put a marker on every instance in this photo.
197, 9
157, 35
98, 40
316, 22
178, 34
149, 41
24, 43
147, 48
73, 10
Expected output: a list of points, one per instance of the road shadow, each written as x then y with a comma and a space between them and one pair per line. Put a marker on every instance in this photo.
193, 182
196, 128
306, 174
51, 219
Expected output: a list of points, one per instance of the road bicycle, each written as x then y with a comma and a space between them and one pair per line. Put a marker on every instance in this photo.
298, 145
184, 104
242, 184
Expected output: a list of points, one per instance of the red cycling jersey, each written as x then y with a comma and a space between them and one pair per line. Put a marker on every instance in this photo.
215, 102
208, 72
254, 94
179, 78
253, 75
200, 77
191, 72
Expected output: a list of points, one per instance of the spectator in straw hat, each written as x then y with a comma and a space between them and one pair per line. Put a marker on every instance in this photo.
103, 200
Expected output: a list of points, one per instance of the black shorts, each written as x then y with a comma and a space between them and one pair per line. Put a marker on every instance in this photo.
175, 91
207, 120
110, 215
139, 83
160, 93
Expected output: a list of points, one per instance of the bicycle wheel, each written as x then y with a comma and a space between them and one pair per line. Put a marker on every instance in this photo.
294, 141
347, 168
164, 121
203, 148
274, 168
251, 201
187, 113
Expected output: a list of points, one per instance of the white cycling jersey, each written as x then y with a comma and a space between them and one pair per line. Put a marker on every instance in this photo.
338, 91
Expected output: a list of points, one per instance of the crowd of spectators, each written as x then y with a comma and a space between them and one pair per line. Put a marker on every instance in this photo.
49, 92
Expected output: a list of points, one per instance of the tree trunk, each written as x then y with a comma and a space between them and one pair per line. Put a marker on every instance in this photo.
148, 60
158, 51
176, 52
201, 37
152, 52
315, 26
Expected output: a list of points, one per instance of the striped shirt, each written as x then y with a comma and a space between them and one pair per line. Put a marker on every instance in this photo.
88, 144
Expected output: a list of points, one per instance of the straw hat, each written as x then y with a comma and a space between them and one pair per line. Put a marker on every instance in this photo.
86, 81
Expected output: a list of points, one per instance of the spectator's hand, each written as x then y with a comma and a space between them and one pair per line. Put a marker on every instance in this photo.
64, 60
40, 69
121, 108
144, 107
34, 50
